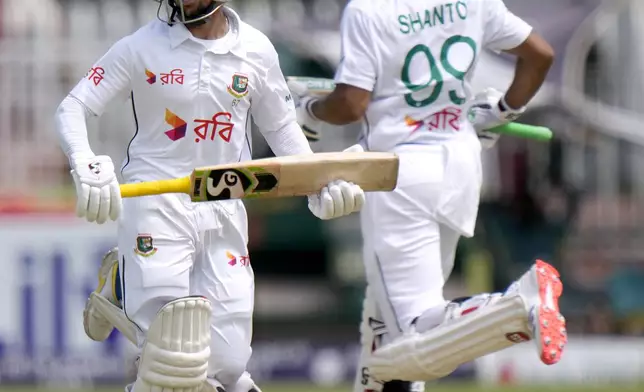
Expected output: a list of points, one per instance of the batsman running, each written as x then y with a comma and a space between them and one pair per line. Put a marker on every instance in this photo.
181, 280
405, 72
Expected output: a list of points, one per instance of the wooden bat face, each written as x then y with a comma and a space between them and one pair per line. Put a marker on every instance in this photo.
294, 175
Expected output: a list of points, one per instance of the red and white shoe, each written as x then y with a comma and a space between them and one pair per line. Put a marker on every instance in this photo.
541, 288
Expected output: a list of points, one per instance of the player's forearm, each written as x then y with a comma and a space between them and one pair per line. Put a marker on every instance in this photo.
534, 59
336, 109
528, 78
71, 127
289, 140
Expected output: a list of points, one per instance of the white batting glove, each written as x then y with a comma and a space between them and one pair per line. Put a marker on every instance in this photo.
97, 190
339, 198
309, 123
488, 110
355, 148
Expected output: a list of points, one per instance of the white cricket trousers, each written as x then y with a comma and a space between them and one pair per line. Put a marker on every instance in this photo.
171, 248
410, 234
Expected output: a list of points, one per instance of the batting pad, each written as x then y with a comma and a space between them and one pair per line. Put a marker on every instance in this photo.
177, 348
439, 351
372, 329
114, 315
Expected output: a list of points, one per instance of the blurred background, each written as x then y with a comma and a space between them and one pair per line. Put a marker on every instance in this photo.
576, 201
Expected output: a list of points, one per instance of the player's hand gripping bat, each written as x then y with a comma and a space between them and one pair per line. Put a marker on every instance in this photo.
296, 175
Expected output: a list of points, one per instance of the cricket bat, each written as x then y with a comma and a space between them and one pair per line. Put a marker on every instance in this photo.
322, 86
524, 130
315, 86
296, 175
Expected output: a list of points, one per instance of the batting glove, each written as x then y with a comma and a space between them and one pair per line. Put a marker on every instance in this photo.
305, 117
488, 110
97, 190
339, 198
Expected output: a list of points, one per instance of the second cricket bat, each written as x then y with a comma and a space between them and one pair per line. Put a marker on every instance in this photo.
296, 175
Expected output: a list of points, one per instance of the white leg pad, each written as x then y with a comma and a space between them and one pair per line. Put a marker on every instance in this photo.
177, 348
114, 315
373, 334
372, 329
482, 325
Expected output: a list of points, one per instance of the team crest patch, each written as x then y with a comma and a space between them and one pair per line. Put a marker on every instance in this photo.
145, 245
239, 86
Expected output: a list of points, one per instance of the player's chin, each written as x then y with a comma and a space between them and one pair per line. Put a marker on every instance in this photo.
190, 6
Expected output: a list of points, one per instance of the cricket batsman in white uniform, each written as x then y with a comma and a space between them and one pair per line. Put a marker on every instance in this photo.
181, 277
405, 71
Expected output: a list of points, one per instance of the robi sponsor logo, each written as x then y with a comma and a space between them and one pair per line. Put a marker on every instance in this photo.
219, 126
175, 76
151, 77
233, 260
448, 119
96, 75
178, 125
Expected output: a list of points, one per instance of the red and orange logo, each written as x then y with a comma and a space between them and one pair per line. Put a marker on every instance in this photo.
175, 76
413, 123
152, 78
179, 126
219, 126
233, 260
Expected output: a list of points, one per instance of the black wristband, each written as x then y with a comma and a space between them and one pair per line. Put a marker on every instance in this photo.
501, 106
309, 109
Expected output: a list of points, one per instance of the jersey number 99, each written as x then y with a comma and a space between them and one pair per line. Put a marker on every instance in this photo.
436, 75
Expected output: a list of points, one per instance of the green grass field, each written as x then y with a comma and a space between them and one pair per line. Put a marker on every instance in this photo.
444, 387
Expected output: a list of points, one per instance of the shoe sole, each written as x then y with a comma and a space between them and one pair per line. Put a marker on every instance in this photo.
550, 325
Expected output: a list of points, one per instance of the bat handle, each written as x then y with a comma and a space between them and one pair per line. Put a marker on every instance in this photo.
178, 185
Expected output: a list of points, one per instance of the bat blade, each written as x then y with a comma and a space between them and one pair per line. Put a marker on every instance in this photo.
297, 175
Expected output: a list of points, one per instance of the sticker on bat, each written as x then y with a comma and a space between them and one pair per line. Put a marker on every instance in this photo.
228, 184
235, 183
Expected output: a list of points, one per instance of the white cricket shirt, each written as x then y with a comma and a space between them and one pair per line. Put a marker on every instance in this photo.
192, 99
417, 58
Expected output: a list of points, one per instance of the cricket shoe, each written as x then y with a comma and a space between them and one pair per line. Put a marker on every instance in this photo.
541, 288
97, 327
